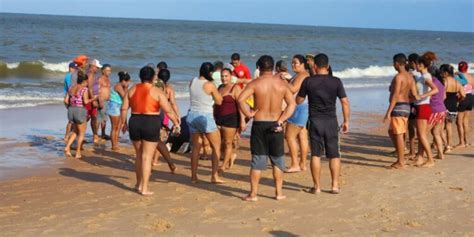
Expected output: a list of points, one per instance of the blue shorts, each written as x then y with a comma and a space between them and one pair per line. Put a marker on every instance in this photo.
201, 122
300, 116
114, 108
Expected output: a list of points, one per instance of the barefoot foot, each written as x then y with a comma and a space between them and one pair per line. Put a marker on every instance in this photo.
396, 165
280, 197
249, 198
428, 164
293, 170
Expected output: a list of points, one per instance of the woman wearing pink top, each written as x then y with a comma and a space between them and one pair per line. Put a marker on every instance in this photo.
78, 97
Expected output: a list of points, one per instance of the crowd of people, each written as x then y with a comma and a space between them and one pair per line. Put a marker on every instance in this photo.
424, 98
300, 109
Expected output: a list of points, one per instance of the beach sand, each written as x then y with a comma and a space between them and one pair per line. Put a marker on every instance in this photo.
94, 196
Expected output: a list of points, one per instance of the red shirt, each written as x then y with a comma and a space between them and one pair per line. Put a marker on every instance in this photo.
242, 72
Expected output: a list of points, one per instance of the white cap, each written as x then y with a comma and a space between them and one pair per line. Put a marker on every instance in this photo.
96, 63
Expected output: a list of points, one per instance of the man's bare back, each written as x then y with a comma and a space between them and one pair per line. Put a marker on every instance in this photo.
269, 91
406, 82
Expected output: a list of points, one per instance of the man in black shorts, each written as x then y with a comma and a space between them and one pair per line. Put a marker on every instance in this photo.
266, 140
322, 91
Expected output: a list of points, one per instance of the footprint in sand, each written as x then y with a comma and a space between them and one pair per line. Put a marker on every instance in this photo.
178, 211
456, 189
413, 223
48, 218
160, 225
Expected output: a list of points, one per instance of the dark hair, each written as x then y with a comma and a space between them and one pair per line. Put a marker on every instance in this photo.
329, 70
164, 75
425, 61
218, 65
123, 76
462, 66
227, 69
146, 74
446, 68
162, 65
281, 66
105, 66
265, 63
321, 60
413, 58
235, 56
400, 58
205, 71
81, 76
300, 58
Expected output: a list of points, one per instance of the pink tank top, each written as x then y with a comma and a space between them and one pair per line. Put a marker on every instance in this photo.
76, 100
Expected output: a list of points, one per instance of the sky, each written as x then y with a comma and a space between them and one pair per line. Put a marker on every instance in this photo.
434, 15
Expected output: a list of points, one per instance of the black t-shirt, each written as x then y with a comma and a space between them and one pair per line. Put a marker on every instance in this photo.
322, 92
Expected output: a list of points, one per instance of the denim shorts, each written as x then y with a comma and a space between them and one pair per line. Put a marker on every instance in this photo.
300, 116
114, 108
201, 122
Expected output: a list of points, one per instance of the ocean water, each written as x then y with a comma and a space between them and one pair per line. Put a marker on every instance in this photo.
35, 50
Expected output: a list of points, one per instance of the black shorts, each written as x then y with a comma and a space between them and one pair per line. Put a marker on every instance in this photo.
264, 144
144, 127
466, 104
229, 121
324, 137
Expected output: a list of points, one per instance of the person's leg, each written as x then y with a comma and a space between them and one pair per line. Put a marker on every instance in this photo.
466, 128
81, 131
254, 180
449, 136
291, 135
114, 132
316, 172
68, 131
422, 127
436, 132
196, 142
137, 145
335, 167
228, 135
94, 127
206, 149
460, 125
399, 144
70, 140
148, 149
304, 147
412, 136
278, 177
161, 148
215, 142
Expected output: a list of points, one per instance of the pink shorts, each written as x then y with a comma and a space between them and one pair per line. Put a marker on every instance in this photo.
437, 118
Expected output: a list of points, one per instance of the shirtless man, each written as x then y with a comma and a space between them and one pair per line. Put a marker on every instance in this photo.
398, 111
93, 84
104, 97
266, 140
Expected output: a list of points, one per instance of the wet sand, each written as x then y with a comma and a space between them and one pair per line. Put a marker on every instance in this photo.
94, 196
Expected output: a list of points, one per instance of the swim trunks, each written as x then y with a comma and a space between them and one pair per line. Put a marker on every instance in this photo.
400, 116
466, 104
264, 144
102, 112
324, 137
144, 127
451, 116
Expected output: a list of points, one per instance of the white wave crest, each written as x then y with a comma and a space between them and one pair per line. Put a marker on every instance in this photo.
56, 67
14, 98
12, 65
371, 71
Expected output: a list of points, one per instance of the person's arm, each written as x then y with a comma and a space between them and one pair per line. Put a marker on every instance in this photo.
86, 100
414, 91
211, 89
243, 124
433, 91
290, 106
302, 92
166, 107
119, 89
296, 85
247, 73
395, 91
172, 100
244, 95
124, 112
345, 114
460, 90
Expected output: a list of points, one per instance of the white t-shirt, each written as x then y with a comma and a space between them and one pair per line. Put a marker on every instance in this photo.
422, 88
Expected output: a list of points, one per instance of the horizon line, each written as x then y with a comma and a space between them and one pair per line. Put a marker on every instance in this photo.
224, 21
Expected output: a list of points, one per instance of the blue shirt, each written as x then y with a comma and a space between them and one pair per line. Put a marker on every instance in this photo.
67, 82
